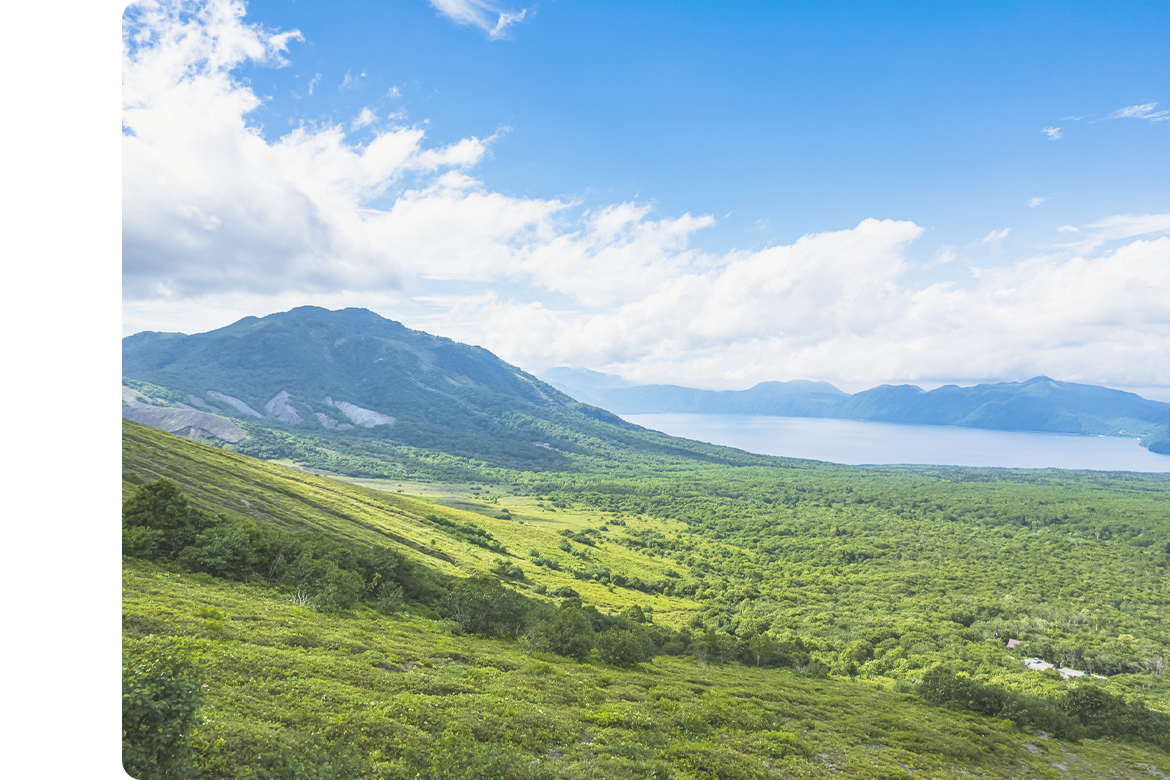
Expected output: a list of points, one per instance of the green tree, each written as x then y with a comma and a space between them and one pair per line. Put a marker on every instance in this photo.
158, 521
568, 633
223, 550
622, 647
761, 647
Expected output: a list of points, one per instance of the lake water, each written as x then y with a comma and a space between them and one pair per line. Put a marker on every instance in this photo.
874, 443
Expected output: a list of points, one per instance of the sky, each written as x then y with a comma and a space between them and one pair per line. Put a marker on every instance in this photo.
703, 194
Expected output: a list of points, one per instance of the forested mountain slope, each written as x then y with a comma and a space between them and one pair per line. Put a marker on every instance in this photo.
319, 372
359, 394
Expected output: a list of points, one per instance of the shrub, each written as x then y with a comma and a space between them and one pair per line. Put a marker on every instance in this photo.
625, 648
567, 633
159, 521
161, 690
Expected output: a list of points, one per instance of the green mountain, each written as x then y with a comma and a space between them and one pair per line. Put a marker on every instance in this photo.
359, 381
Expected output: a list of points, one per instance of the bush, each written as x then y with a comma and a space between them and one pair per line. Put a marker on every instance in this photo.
159, 521
568, 633
626, 648
224, 550
161, 690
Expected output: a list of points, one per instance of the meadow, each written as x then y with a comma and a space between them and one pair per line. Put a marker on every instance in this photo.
642, 617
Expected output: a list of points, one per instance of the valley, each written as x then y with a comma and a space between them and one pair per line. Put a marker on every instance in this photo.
441, 597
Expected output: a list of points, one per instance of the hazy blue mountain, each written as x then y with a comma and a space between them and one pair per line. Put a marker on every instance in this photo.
1039, 404
583, 384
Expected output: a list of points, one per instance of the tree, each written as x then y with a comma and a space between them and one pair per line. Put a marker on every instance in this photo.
481, 605
568, 633
223, 550
713, 646
634, 613
158, 521
761, 646
622, 647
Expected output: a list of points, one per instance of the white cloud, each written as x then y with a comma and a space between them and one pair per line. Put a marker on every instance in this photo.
1116, 228
995, 238
349, 82
1034, 202
1143, 111
219, 221
487, 15
945, 254
210, 205
365, 118
1053, 133
313, 84
833, 306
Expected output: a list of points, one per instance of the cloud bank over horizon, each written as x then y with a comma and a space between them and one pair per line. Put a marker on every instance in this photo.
220, 221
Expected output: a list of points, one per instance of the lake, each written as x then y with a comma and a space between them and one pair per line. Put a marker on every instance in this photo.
875, 443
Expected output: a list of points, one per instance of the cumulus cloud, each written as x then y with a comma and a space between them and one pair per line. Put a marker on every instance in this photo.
1143, 111
1053, 133
209, 204
1034, 202
366, 117
834, 306
487, 15
220, 221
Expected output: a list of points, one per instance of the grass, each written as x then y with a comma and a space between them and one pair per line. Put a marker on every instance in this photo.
280, 677
403, 696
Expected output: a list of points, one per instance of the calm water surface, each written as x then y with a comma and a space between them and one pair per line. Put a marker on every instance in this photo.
875, 443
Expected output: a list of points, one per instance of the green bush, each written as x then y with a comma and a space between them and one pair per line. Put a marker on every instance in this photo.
624, 648
568, 633
161, 691
159, 521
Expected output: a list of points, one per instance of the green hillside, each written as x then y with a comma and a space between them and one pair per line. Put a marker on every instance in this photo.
364, 382
792, 619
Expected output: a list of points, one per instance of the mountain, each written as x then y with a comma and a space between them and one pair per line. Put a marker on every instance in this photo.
798, 398
315, 371
309, 381
1039, 404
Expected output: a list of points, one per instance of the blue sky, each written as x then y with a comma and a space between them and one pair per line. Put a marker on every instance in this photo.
684, 192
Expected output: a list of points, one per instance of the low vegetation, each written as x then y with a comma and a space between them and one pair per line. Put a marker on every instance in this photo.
645, 616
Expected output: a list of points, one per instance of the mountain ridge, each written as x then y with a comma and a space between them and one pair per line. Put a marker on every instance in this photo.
1037, 404
353, 372
355, 378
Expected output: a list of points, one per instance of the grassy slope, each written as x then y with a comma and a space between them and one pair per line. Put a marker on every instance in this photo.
280, 673
221, 482
284, 672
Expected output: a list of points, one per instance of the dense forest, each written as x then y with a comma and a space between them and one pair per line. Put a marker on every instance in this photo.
672, 611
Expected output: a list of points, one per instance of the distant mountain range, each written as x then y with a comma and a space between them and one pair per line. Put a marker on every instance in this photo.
1039, 404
